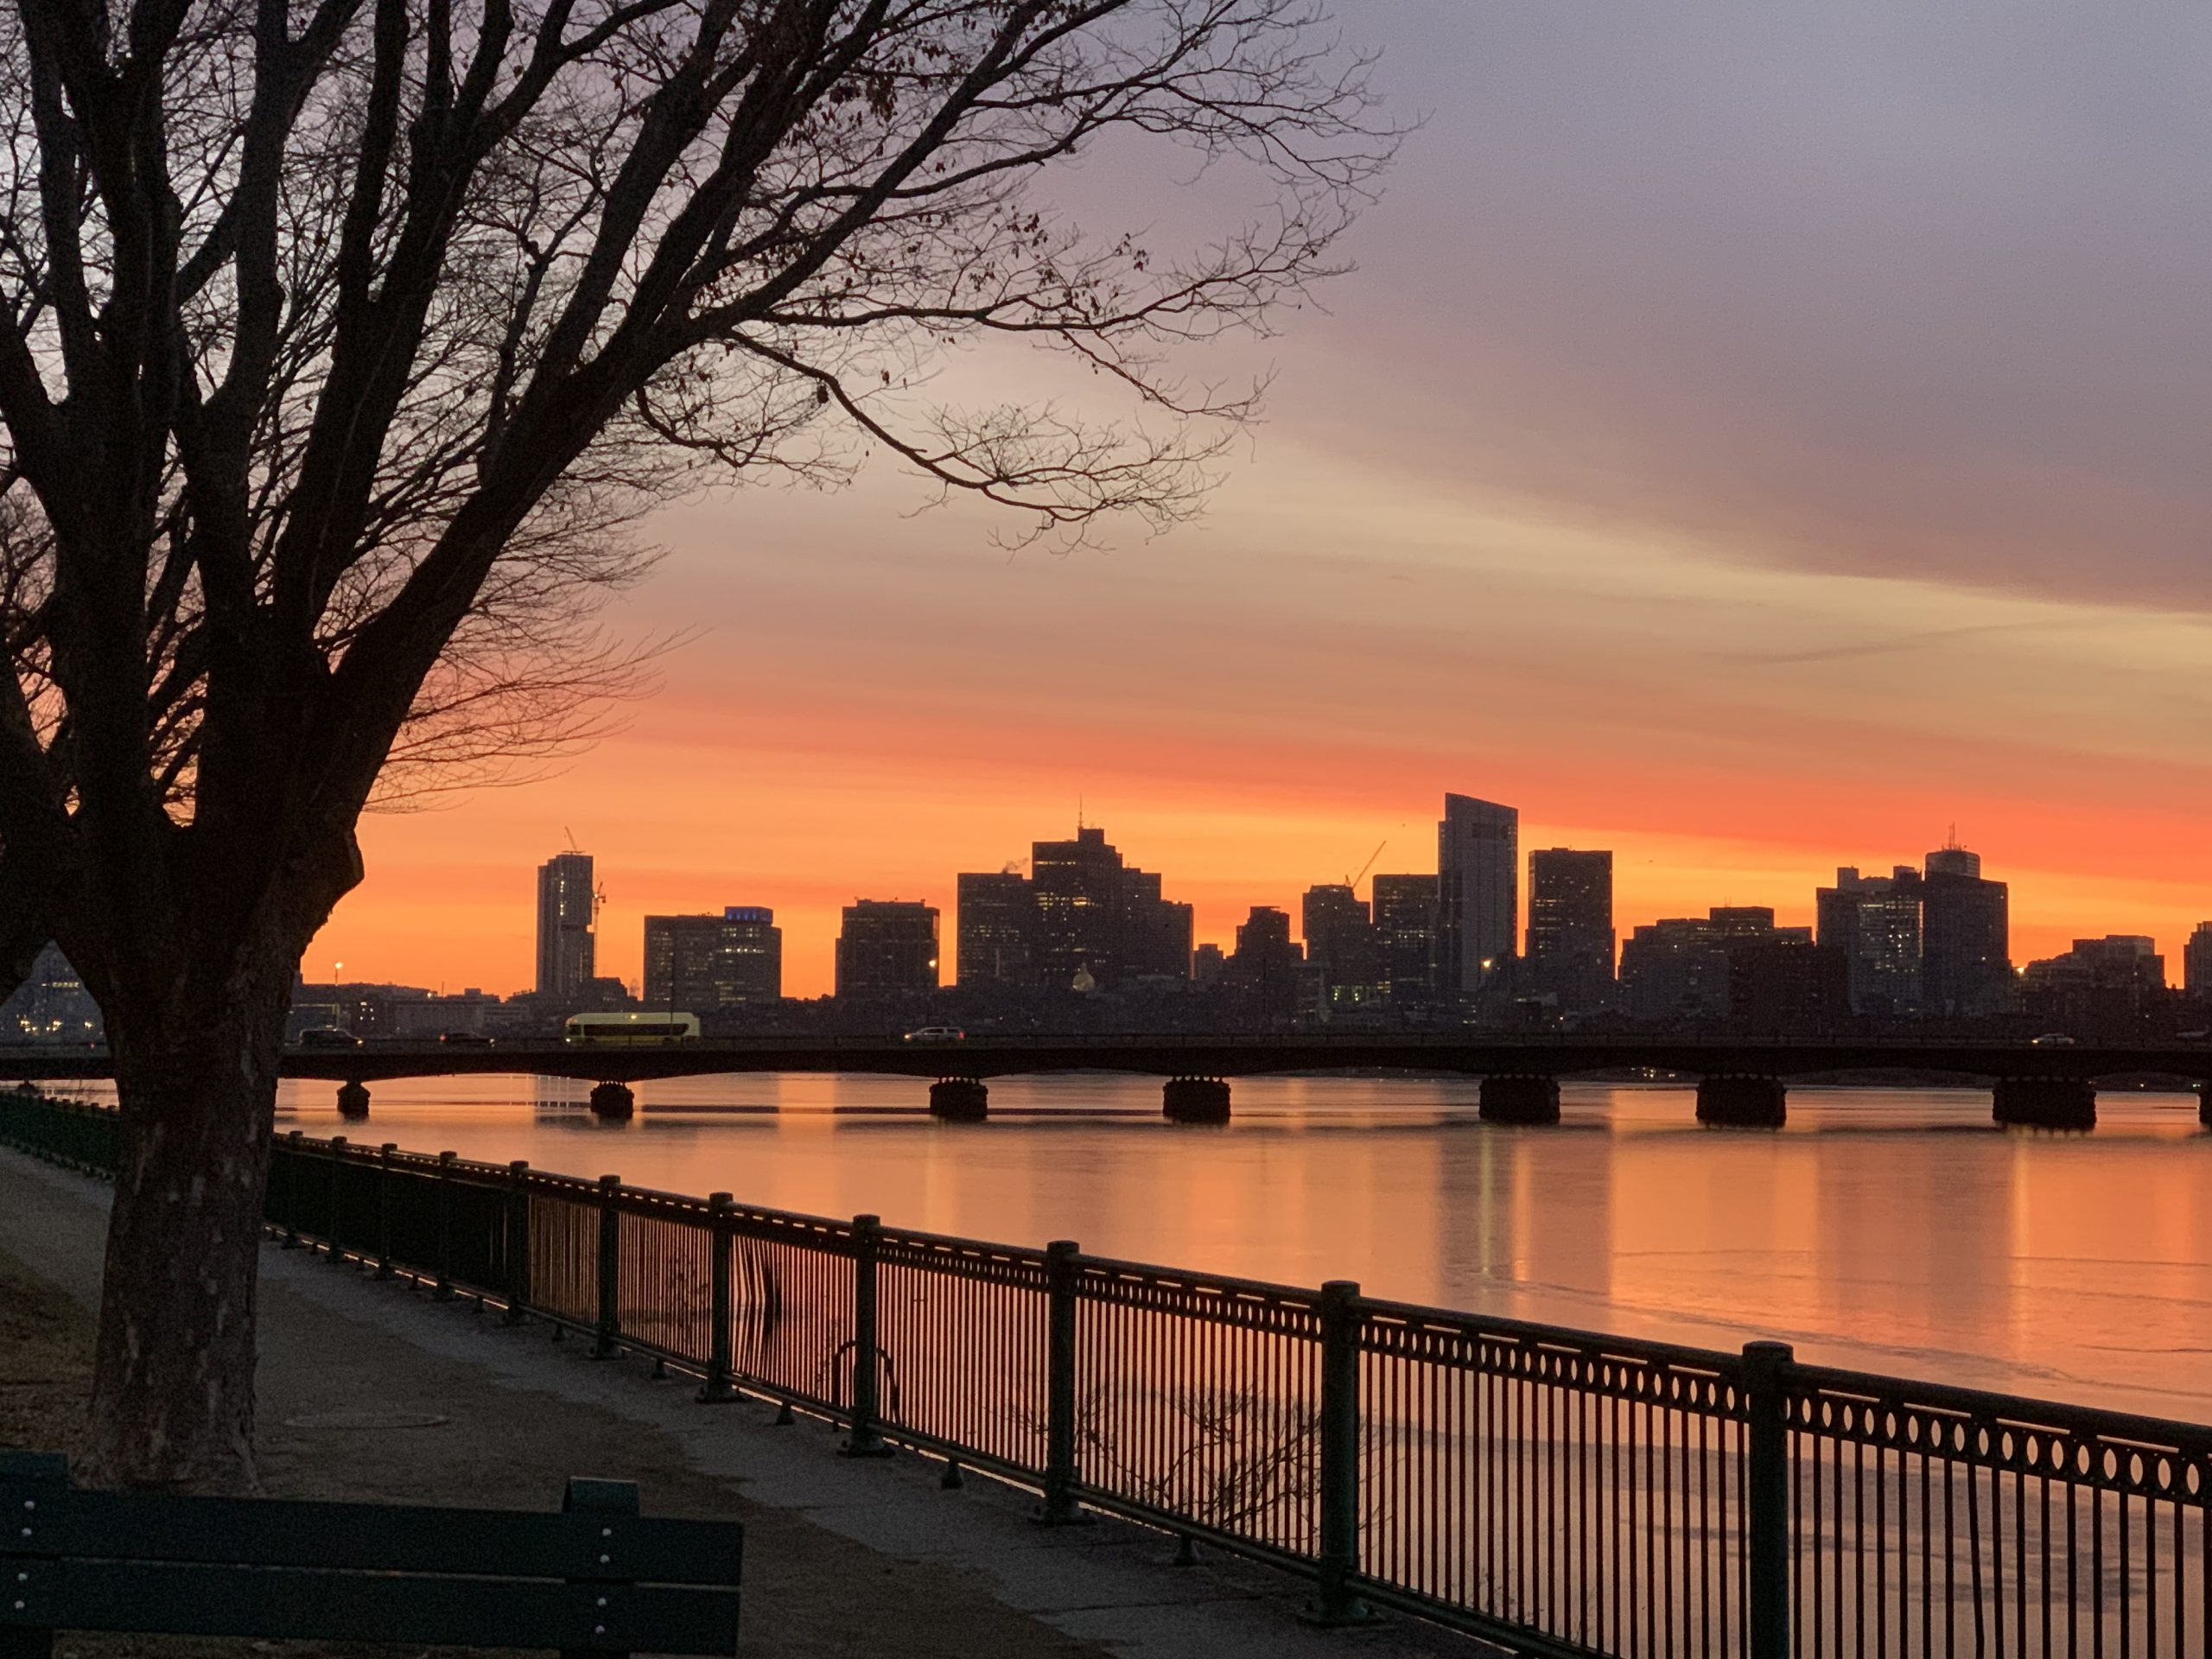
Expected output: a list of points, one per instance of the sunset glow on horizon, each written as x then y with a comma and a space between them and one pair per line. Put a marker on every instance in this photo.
1746, 508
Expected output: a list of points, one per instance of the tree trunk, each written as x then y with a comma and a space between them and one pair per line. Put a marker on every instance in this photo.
172, 1369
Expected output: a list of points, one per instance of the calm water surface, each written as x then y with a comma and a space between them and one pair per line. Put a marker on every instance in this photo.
1890, 1230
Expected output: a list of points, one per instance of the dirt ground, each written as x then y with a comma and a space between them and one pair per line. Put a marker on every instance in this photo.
46, 1362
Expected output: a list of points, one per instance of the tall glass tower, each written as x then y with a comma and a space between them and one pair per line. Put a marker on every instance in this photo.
1478, 894
565, 958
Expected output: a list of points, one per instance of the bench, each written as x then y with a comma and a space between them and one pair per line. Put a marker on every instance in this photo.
598, 1579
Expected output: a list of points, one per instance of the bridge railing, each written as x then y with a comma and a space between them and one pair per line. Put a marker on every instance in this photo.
1560, 1490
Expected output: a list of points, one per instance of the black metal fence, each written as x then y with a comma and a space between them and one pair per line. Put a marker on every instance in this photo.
1560, 1491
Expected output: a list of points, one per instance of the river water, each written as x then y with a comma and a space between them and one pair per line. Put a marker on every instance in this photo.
1887, 1230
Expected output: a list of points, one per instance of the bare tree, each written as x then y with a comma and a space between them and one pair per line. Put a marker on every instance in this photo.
347, 337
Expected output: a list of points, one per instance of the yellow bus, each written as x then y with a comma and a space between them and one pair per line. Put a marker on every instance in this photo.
630, 1030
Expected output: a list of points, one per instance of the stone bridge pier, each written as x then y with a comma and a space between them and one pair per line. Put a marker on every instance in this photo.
1521, 1100
353, 1100
614, 1102
1732, 1100
960, 1100
1195, 1100
2046, 1102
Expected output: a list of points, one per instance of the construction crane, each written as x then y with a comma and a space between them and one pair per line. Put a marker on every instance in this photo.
1353, 880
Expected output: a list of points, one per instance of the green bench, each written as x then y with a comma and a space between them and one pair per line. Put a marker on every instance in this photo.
598, 1579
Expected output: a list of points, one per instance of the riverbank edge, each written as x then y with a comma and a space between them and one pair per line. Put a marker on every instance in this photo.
1106, 1588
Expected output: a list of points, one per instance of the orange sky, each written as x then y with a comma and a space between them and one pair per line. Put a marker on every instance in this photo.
1751, 442
1249, 710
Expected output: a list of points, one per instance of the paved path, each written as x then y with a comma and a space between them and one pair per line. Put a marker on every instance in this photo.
843, 1558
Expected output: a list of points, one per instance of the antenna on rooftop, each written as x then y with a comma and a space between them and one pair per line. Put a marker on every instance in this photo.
572, 835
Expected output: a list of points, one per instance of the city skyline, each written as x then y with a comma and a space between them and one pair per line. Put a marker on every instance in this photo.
621, 935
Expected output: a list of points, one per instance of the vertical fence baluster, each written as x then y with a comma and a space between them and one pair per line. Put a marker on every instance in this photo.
1339, 1602
720, 1239
1061, 1473
293, 1156
336, 1251
1766, 1490
605, 1343
516, 1229
385, 1180
443, 1290
864, 1441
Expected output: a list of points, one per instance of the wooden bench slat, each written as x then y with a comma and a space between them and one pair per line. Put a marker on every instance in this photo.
198, 1599
405, 1538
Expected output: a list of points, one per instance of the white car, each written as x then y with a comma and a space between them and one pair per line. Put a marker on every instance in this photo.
938, 1034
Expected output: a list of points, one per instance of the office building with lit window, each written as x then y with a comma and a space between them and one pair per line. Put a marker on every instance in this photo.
1965, 966
1404, 910
1873, 923
995, 929
2196, 964
1343, 952
1477, 886
1082, 917
1571, 928
888, 948
699, 964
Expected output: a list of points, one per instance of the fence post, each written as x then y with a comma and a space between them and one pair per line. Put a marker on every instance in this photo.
517, 1241
1766, 1401
1338, 1602
330, 1232
864, 1441
604, 1345
443, 1290
1062, 1473
719, 1241
294, 1154
384, 1181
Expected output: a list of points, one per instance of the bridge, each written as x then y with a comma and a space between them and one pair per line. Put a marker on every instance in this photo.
1740, 1081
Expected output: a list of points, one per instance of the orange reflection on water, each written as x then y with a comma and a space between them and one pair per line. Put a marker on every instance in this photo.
1892, 1230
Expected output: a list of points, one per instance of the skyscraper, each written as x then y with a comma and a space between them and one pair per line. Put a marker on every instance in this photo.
1341, 946
566, 904
1077, 886
697, 963
1158, 934
1730, 963
995, 921
1099, 918
886, 948
1571, 927
1477, 886
1264, 971
1873, 922
1965, 966
1405, 931
2197, 963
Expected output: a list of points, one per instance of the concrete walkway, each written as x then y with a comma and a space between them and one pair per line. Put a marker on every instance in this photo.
371, 1390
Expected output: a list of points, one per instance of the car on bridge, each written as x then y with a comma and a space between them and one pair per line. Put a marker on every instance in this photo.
328, 1037
937, 1034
